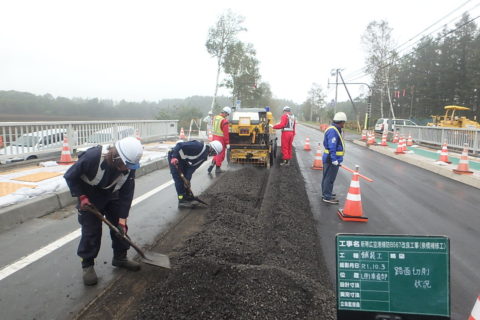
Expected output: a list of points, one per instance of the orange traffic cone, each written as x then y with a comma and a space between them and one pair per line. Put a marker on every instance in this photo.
475, 314
399, 147
404, 144
371, 138
384, 139
65, 157
463, 164
307, 145
409, 140
444, 153
364, 135
210, 136
353, 205
317, 162
395, 138
182, 134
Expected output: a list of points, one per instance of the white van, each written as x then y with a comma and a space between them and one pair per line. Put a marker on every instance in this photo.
31, 145
391, 124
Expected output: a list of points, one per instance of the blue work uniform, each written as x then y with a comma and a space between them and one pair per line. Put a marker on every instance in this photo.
190, 155
334, 151
109, 190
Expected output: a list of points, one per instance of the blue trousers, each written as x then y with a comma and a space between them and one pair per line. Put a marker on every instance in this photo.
329, 175
187, 172
92, 235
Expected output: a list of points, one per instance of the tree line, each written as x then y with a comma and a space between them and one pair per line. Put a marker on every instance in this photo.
440, 70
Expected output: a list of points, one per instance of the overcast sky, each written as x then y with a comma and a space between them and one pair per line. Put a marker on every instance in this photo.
151, 50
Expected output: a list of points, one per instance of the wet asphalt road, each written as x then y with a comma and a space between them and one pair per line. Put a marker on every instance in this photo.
52, 287
403, 199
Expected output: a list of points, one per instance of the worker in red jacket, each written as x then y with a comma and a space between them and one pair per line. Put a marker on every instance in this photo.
287, 124
220, 133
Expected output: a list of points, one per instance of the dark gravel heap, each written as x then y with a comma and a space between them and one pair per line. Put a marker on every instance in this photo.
257, 256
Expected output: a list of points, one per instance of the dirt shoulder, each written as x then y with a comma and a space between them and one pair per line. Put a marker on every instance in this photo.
252, 254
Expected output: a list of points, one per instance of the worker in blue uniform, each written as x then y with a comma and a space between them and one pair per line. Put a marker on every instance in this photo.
106, 181
188, 157
332, 156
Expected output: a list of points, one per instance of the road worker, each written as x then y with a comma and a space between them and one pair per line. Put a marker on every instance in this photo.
220, 133
332, 156
106, 181
188, 157
287, 124
209, 121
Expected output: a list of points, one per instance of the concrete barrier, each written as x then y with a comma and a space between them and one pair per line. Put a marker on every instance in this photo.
48, 203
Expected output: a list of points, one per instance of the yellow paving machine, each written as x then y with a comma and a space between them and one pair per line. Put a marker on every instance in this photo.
252, 138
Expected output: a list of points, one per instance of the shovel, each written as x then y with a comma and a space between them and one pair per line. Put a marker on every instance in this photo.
186, 183
153, 258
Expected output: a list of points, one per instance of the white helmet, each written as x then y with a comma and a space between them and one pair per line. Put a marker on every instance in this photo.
287, 108
130, 151
210, 112
340, 116
216, 146
227, 110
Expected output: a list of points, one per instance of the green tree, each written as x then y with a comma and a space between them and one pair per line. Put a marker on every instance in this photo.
220, 36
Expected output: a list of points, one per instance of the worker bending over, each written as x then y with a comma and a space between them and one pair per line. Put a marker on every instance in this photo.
332, 156
220, 133
106, 181
187, 157
287, 124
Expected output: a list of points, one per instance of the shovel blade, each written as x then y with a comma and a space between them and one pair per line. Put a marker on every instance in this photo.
157, 259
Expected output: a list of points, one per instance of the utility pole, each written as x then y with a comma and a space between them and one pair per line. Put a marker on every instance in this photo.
336, 92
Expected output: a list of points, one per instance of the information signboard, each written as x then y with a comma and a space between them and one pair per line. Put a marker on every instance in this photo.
392, 274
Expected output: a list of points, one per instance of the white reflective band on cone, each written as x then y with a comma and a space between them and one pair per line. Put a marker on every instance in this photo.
355, 184
354, 197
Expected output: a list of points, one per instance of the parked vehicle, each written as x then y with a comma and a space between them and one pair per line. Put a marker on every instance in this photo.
110, 135
31, 145
392, 124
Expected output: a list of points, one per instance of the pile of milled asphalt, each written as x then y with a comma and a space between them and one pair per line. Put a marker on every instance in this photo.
256, 256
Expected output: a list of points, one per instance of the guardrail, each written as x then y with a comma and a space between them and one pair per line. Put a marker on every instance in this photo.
455, 137
28, 140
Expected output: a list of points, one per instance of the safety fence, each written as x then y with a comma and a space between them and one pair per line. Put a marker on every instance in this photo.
455, 137
27, 140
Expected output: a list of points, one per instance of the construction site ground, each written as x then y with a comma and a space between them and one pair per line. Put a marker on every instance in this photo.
252, 254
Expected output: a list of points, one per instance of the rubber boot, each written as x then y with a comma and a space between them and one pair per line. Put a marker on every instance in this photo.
120, 260
89, 276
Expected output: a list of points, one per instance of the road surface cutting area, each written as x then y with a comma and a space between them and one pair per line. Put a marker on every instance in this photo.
252, 254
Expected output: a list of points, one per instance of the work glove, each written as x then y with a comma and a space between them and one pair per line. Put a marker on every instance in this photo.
174, 161
122, 226
228, 146
335, 163
84, 202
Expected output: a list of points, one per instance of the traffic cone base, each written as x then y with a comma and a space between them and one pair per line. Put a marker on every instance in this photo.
462, 172
346, 217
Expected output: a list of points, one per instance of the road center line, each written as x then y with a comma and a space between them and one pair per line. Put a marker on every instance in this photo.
40, 253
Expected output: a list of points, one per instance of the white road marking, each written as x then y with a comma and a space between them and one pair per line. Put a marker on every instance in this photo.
40, 253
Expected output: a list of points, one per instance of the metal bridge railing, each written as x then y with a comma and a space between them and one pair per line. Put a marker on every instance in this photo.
27, 140
455, 137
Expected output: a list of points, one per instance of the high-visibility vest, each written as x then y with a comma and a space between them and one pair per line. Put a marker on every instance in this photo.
290, 123
217, 128
338, 153
118, 182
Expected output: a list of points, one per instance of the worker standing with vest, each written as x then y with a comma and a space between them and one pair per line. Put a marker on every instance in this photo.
105, 181
185, 158
220, 133
332, 156
287, 124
